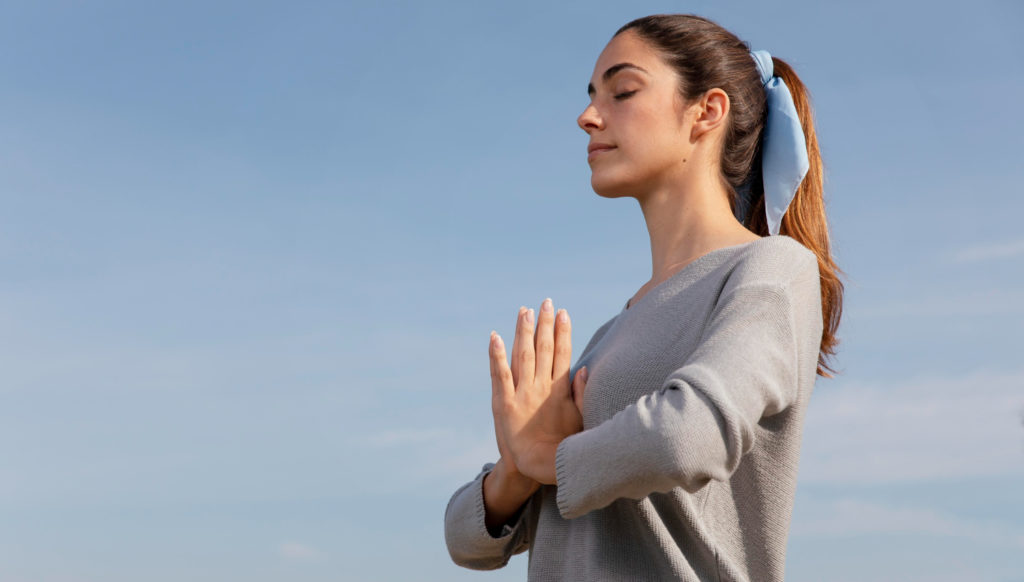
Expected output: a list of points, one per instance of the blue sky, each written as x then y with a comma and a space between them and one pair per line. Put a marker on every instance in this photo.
250, 254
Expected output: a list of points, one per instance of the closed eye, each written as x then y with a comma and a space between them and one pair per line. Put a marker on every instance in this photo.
625, 95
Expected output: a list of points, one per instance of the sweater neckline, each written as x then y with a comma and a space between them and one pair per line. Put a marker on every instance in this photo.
689, 267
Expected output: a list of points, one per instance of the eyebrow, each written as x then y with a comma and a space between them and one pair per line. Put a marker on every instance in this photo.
611, 73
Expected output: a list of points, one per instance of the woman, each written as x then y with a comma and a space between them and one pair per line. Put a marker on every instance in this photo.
672, 454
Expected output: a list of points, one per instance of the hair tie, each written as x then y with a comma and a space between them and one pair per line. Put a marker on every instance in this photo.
783, 148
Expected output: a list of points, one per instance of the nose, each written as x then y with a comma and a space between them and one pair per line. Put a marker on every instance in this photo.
589, 120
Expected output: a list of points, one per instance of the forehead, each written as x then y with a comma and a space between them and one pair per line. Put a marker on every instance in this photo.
628, 47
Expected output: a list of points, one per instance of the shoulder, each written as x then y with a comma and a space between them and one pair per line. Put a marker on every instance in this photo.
777, 266
773, 261
777, 278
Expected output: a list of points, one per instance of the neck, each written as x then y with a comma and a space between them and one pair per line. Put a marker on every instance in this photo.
686, 221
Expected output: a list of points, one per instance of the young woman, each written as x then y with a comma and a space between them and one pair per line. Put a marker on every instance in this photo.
670, 451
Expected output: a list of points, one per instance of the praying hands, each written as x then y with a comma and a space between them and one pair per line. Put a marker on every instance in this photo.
534, 403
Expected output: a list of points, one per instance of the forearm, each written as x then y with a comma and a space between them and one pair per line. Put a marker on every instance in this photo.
505, 492
671, 438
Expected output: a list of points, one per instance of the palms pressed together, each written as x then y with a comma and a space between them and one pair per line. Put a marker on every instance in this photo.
534, 403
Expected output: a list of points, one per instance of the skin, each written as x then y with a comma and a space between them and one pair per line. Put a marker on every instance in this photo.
666, 154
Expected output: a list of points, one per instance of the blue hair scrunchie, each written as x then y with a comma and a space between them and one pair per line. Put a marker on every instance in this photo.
783, 148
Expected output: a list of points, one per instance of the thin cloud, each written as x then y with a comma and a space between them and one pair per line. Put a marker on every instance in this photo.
470, 459
408, 436
924, 428
848, 516
298, 551
989, 252
982, 302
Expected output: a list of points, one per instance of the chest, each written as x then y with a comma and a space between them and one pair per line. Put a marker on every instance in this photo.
639, 351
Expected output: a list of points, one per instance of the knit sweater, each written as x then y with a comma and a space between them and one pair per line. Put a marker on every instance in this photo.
692, 419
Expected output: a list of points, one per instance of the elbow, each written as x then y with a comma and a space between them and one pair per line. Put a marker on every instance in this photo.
480, 564
692, 474
465, 557
471, 551
710, 449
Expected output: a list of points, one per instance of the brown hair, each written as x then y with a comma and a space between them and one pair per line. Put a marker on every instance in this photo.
706, 56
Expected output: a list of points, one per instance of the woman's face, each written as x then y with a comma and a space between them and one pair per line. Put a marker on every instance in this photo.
636, 119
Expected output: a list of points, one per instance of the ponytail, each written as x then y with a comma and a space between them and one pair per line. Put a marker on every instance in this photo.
805, 220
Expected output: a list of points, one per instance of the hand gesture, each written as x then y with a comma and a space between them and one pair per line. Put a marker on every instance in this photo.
532, 401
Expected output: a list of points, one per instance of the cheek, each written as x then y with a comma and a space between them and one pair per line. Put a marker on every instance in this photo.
654, 133
656, 148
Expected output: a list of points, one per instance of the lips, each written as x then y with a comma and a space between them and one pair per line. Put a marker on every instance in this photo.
595, 149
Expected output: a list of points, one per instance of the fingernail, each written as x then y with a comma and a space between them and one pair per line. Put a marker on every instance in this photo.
584, 370
563, 316
546, 306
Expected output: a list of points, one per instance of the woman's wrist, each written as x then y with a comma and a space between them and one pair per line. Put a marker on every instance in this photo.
504, 492
509, 480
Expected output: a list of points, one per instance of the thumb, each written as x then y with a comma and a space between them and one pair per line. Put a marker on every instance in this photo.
502, 388
579, 384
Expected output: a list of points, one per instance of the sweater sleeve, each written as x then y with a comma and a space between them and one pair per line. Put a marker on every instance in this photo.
760, 340
465, 531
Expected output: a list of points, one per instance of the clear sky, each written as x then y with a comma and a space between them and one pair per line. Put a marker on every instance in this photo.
251, 252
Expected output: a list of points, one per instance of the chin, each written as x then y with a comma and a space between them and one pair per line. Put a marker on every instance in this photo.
608, 186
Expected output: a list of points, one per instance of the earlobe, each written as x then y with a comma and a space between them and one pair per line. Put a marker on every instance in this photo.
701, 123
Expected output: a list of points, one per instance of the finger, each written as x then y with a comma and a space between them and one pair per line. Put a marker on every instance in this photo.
492, 360
524, 352
501, 376
579, 384
563, 353
545, 342
515, 346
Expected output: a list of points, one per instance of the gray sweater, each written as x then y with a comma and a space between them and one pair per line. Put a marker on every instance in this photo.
692, 418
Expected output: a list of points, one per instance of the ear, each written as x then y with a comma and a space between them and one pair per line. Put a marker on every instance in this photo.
710, 113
